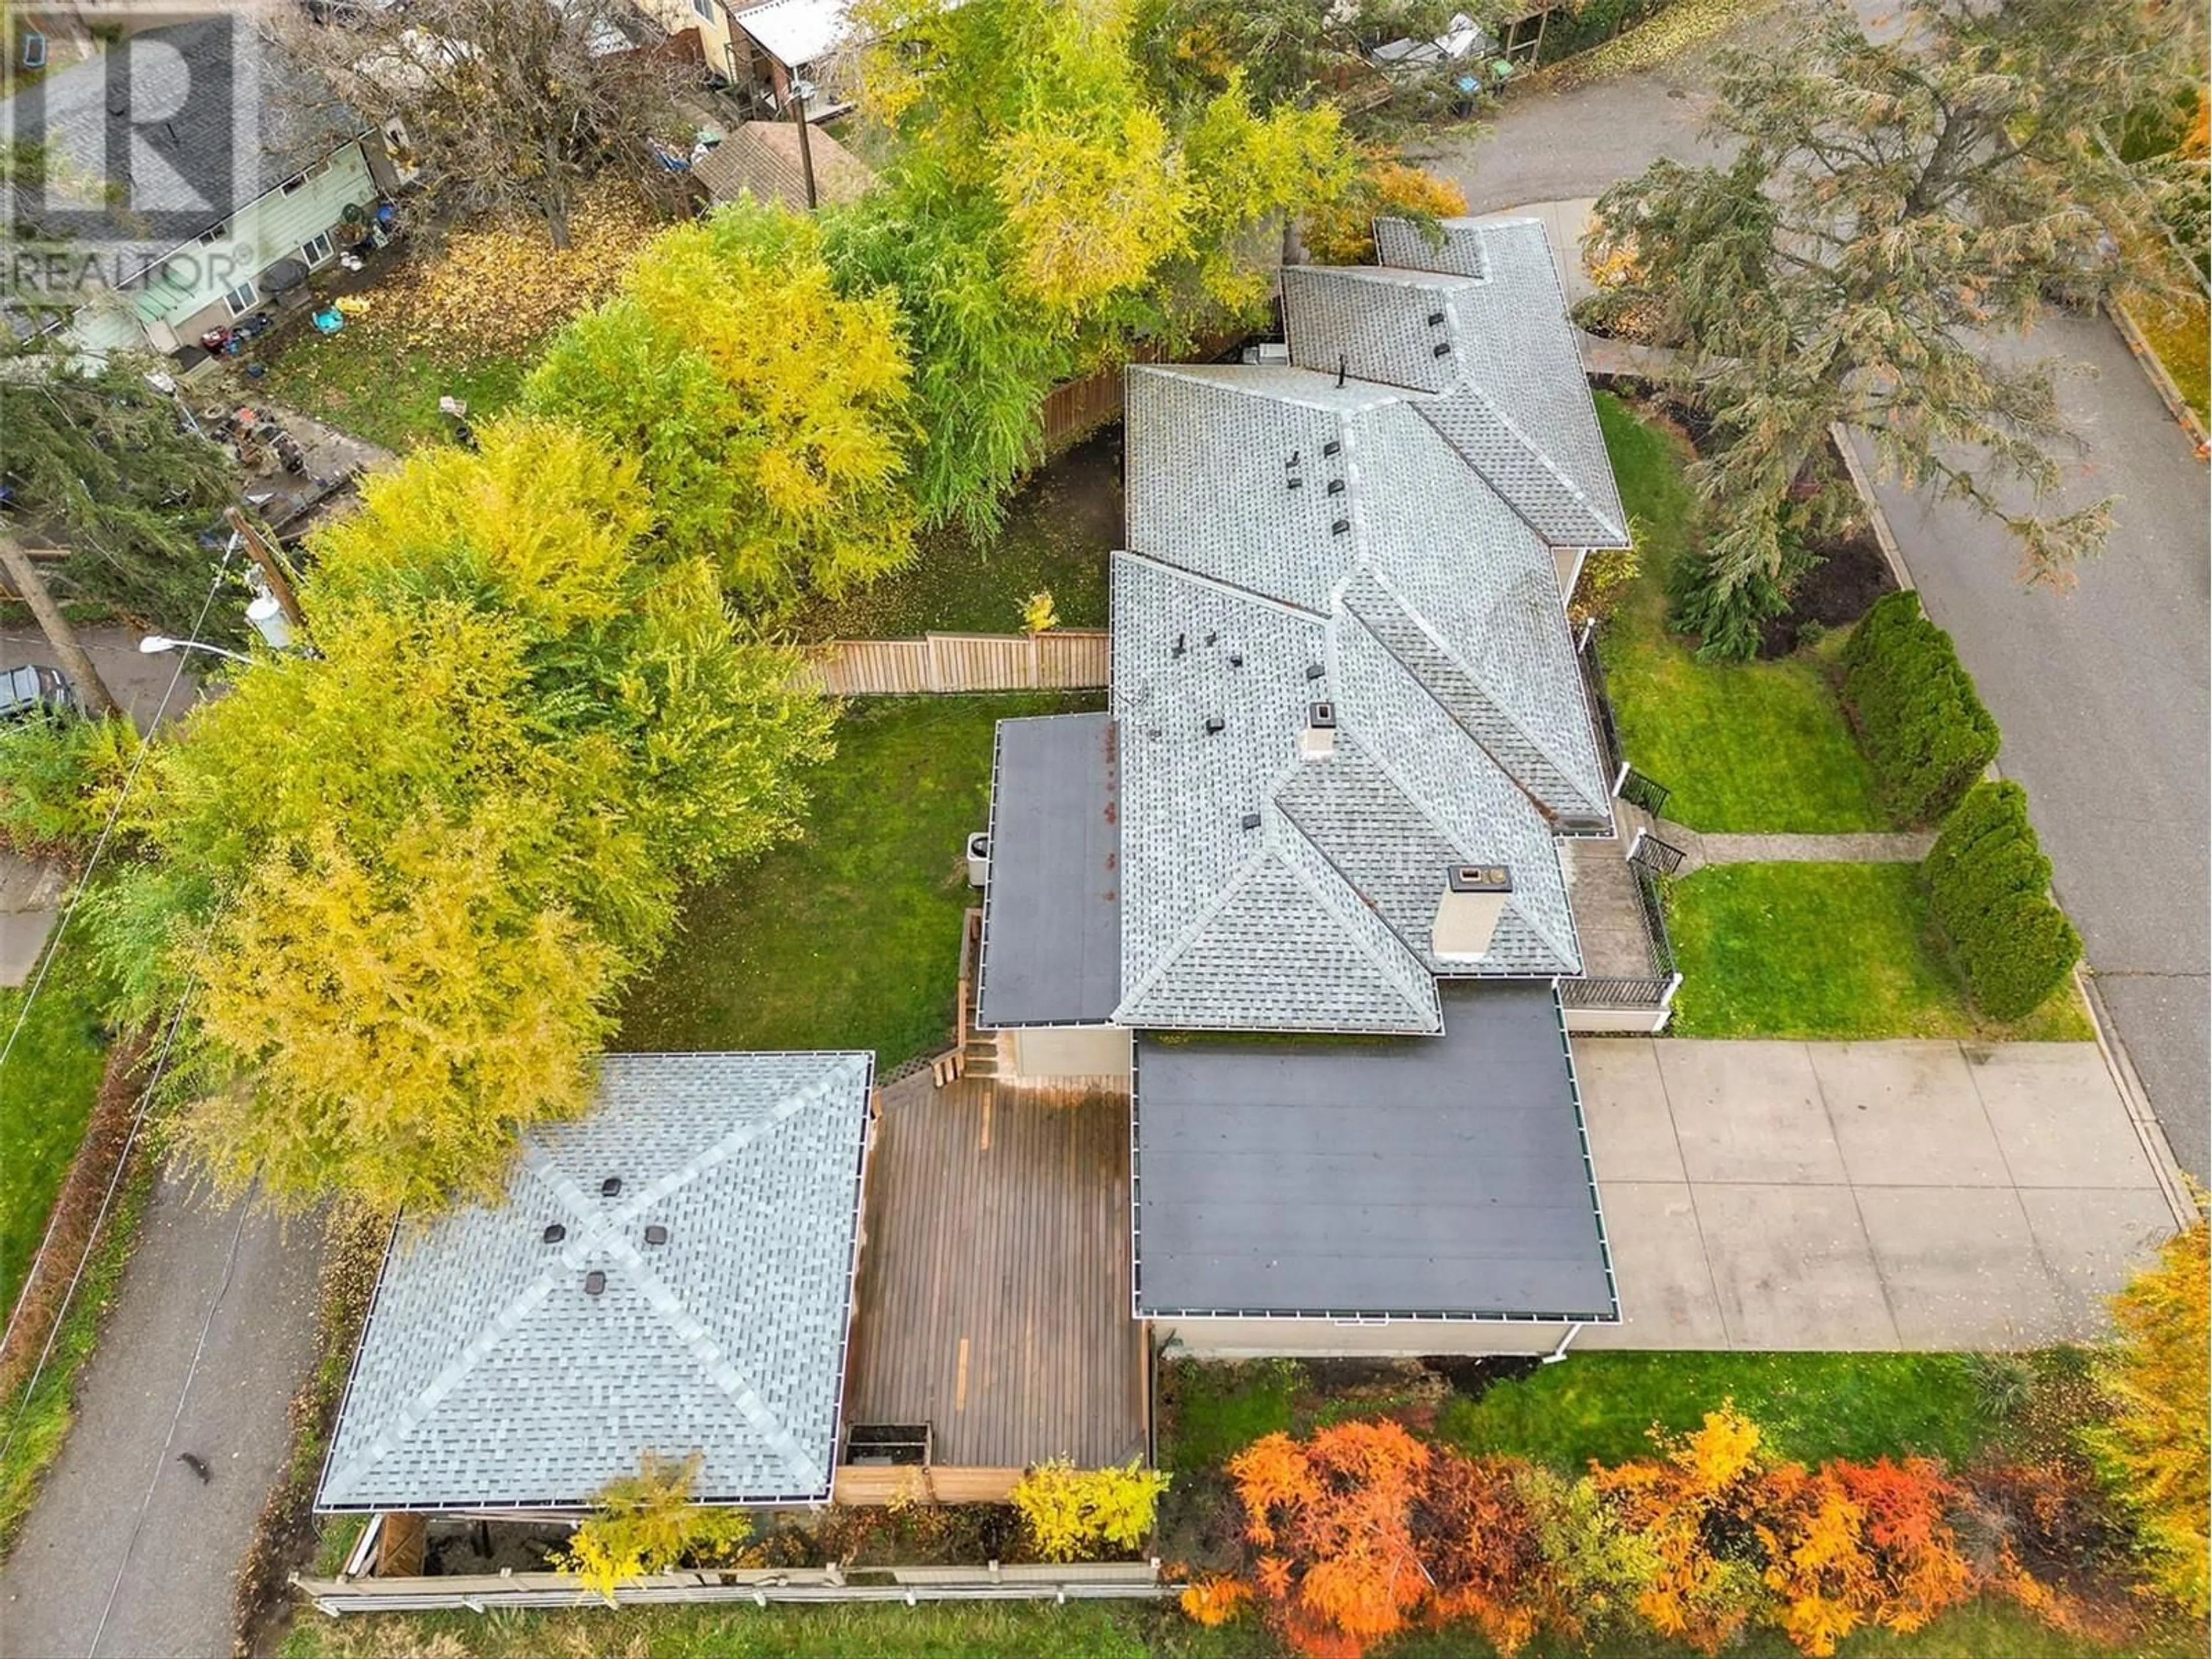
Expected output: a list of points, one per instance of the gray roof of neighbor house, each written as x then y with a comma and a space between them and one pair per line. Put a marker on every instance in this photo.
701, 1305
211, 114
1052, 909
1443, 1176
1298, 538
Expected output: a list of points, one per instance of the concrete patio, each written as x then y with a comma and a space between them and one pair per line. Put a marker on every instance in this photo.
1830, 1195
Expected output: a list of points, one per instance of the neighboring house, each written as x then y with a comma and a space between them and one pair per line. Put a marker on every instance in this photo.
227, 197
764, 157
672, 1274
781, 43
1304, 884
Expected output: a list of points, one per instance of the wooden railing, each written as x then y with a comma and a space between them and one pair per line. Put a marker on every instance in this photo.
1064, 660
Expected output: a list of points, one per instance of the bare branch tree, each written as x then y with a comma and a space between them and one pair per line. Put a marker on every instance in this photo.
510, 105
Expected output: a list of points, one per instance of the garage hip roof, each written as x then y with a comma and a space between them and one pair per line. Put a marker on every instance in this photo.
696, 1297
1438, 1177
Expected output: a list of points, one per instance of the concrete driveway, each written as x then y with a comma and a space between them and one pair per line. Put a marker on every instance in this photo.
1865, 1195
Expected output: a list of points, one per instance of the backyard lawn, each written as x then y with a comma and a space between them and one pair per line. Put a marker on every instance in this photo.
1827, 950
849, 937
1058, 534
1758, 746
364, 382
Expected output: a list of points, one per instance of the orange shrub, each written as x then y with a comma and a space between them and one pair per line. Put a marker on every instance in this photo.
1342, 232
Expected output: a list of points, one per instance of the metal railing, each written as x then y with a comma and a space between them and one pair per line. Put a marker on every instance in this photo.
1639, 791
1662, 858
1609, 729
1653, 990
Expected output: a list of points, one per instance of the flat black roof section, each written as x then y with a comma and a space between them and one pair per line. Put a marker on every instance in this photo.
1052, 912
1408, 1175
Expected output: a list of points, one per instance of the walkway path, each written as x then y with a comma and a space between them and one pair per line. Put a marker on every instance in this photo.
1700, 848
1917, 1195
128, 1552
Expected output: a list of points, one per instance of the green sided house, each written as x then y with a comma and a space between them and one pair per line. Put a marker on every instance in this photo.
1331, 882
195, 173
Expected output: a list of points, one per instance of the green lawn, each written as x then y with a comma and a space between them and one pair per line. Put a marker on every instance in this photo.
850, 938
1812, 1405
1984, 1629
2177, 332
1827, 950
1058, 535
365, 383
38, 1419
47, 1092
1744, 746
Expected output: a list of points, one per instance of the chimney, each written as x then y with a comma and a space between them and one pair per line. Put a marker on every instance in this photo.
1318, 740
1466, 915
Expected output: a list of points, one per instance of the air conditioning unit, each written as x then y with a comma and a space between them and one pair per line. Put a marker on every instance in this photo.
979, 859
1270, 354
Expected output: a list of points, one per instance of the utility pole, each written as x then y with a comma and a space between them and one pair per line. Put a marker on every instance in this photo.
32, 586
800, 92
280, 586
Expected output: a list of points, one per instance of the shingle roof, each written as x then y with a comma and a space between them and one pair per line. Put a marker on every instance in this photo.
1480, 321
490, 1377
1300, 535
218, 116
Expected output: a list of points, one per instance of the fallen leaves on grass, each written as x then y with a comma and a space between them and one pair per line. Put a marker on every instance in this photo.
1682, 26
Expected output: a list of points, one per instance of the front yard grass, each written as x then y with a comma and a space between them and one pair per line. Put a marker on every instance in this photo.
1808, 1405
1757, 746
1813, 951
2176, 331
850, 937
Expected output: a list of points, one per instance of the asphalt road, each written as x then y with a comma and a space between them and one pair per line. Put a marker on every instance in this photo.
129, 1554
2101, 693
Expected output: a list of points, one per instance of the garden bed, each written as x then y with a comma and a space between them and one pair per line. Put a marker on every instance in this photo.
1828, 951
850, 937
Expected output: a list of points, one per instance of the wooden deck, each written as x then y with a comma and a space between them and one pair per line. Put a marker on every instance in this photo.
994, 1284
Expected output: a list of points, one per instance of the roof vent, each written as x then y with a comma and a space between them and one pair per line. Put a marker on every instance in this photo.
1237, 659
1343, 362
1442, 349
595, 1283
555, 1233
1318, 740
1251, 820
1473, 899
656, 1234
1336, 486
1215, 726
1339, 526
1295, 483
1315, 670
1210, 636
1293, 461
1332, 447
1180, 647
1434, 317
611, 1187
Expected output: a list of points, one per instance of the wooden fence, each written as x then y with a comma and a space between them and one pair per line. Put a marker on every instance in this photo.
1075, 409
1065, 659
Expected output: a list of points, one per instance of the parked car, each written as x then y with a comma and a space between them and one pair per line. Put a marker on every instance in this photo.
35, 689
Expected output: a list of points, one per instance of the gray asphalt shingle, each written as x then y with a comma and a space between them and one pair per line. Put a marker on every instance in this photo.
490, 1376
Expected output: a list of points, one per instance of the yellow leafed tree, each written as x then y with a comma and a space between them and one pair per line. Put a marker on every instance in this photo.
646, 1522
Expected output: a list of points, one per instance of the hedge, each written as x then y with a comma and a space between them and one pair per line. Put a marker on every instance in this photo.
1989, 891
1924, 730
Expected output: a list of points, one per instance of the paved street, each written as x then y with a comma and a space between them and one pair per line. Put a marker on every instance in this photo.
124, 1532
1932, 1195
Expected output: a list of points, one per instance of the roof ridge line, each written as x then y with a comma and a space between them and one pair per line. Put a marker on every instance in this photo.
1227, 589
1243, 387
1391, 971
1482, 683
1182, 941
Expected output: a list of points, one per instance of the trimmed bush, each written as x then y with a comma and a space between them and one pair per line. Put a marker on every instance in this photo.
1925, 729
1989, 889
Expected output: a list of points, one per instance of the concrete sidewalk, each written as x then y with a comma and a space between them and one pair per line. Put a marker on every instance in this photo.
1827, 1195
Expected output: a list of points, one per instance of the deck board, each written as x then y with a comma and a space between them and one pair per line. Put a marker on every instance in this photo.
1016, 1240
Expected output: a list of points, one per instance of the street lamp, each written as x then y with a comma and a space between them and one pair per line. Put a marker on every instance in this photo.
155, 644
